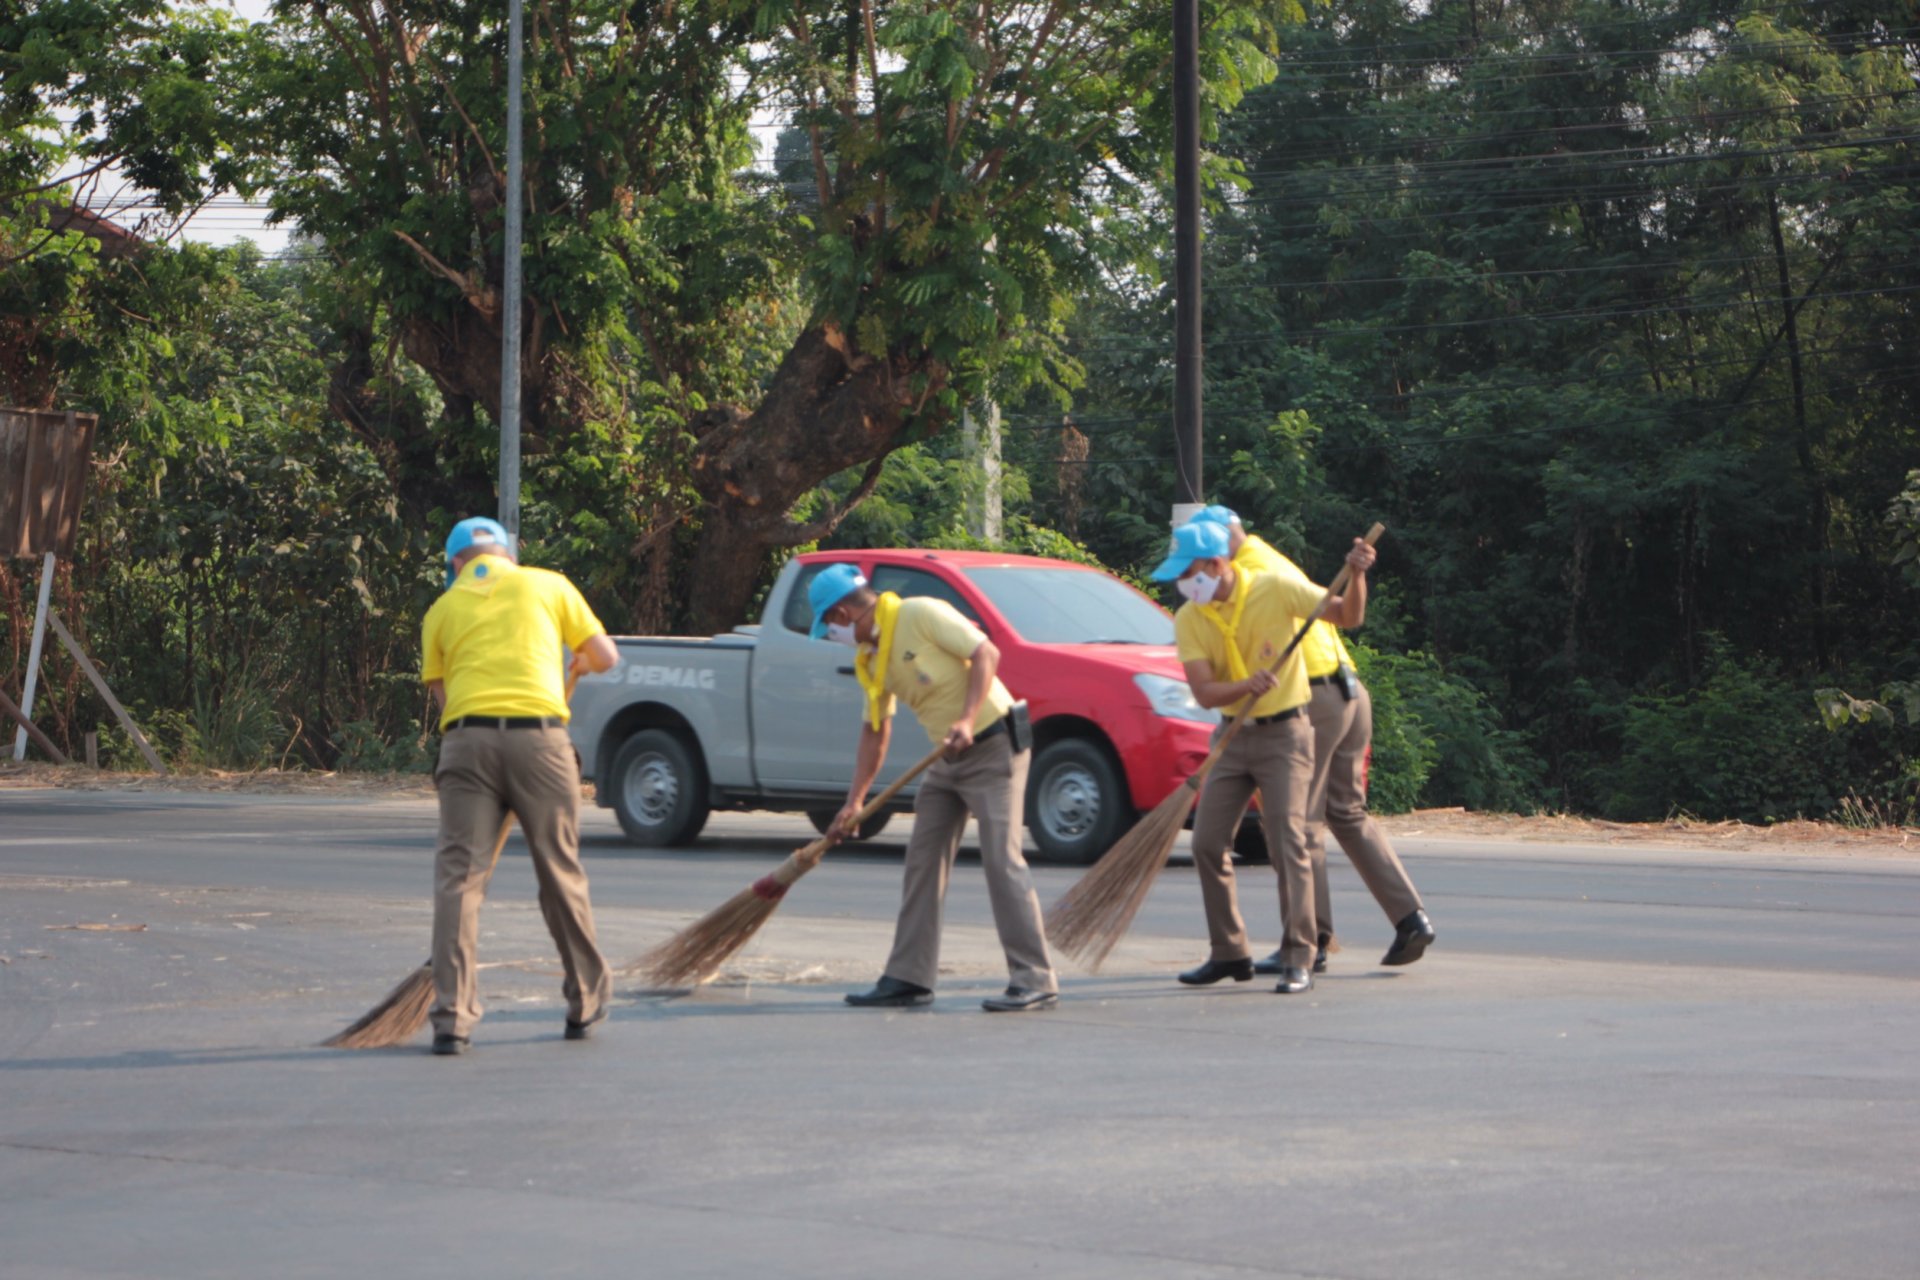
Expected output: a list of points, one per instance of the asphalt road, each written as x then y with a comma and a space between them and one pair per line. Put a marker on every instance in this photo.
1658, 1063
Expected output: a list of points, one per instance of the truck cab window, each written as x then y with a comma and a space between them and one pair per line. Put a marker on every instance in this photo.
798, 615
904, 582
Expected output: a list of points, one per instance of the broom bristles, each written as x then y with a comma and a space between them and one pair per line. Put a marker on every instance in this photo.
1091, 917
696, 953
395, 1020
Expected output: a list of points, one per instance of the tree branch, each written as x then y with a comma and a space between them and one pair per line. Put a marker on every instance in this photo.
825, 526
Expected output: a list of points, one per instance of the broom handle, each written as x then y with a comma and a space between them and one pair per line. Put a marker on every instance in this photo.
1245, 708
806, 859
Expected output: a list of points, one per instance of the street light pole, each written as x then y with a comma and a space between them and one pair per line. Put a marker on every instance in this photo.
510, 291
1187, 362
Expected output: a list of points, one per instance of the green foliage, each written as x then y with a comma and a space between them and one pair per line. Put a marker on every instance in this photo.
1437, 741
1903, 517
1744, 744
368, 747
235, 725
1404, 749
1517, 274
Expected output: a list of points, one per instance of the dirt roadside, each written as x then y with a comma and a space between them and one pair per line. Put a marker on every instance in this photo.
1812, 839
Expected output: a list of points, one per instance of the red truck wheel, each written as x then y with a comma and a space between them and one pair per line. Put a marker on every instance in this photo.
1077, 804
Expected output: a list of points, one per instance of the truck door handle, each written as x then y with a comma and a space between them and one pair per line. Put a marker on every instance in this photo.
843, 671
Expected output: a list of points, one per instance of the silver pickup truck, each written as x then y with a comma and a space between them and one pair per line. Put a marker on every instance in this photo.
764, 717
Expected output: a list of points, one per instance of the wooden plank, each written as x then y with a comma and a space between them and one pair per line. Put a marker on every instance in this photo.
44, 457
38, 738
100, 686
93, 749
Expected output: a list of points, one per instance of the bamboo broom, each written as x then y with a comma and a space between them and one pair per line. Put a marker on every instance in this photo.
1091, 917
399, 1017
696, 953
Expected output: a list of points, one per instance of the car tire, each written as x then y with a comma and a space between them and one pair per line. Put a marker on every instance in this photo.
659, 789
1250, 842
823, 818
1077, 803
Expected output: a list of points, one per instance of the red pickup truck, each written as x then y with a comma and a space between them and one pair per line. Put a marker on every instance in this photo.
765, 717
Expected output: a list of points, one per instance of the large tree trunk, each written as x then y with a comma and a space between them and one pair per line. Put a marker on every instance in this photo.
829, 407
461, 353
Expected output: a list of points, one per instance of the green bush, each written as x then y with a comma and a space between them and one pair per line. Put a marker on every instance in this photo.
1403, 748
1744, 744
1437, 740
364, 747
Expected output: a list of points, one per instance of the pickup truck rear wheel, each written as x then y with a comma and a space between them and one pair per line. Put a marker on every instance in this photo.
659, 789
823, 818
1077, 803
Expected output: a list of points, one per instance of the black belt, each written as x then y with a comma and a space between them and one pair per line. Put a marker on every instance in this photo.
504, 722
998, 726
1332, 677
1277, 716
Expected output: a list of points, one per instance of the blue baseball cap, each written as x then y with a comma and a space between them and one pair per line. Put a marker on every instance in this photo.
829, 587
1215, 514
1197, 539
477, 531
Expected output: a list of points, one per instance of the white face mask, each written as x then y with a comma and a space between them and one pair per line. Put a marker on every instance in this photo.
1199, 588
842, 633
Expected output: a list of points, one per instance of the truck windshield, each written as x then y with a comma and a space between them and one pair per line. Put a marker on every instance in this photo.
1072, 606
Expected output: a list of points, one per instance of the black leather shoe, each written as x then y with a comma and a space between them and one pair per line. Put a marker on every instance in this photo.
583, 1030
1294, 980
1216, 970
451, 1046
1411, 938
1020, 1000
1274, 965
890, 993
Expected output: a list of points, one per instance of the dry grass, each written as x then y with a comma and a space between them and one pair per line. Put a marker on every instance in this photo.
393, 1021
697, 952
1091, 917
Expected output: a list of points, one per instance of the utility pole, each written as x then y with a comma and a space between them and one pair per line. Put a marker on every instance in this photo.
985, 519
510, 292
1187, 391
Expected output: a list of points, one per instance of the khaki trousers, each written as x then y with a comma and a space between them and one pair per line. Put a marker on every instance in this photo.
483, 774
1342, 733
990, 782
1277, 761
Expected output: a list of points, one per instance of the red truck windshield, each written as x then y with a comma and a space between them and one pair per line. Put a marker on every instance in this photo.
1071, 606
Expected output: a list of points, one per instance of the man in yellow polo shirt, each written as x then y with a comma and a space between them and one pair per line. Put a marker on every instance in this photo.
1233, 629
491, 654
1341, 712
922, 649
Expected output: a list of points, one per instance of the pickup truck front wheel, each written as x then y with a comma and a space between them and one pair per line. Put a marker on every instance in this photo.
659, 789
1076, 802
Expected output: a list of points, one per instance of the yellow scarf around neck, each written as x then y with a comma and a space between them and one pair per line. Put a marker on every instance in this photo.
871, 663
1229, 623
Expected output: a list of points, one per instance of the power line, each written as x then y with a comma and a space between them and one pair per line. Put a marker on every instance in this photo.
1337, 447
1438, 106
1621, 313
1597, 160
1300, 159
1112, 424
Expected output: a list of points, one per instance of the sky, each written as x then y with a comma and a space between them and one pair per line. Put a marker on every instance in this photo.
231, 219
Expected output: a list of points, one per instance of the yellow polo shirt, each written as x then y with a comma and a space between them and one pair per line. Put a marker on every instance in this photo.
933, 645
1324, 652
1276, 604
495, 635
